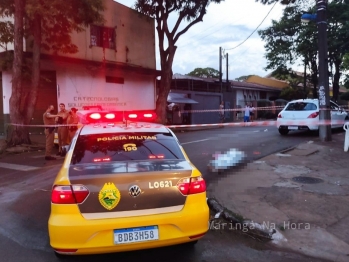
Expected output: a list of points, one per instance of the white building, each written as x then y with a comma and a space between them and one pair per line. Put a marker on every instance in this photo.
115, 65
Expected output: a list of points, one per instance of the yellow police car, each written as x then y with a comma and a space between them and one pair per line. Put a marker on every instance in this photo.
125, 185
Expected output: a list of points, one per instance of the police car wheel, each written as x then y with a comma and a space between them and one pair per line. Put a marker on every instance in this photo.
191, 244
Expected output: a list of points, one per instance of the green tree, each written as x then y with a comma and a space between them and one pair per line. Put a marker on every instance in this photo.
190, 12
345, 65
207, 72
283, 2
338, 45
345, 96
7, 32
289, 93
243, 78
287, 40
49, 24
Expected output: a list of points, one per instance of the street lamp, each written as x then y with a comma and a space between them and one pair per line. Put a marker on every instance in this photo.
324, 99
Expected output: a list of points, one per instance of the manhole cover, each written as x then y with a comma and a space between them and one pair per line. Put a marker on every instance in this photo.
307, 180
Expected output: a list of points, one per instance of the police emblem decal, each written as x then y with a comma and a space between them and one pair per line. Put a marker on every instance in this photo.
109, 196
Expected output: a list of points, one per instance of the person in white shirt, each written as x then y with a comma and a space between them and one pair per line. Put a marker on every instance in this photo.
221, 112
252, 113
247, 113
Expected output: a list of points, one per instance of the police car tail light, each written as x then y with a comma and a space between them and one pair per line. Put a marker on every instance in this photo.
279, 116
194, 185
74, 194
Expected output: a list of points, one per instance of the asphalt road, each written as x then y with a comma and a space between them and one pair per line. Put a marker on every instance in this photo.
256, 142
25, 203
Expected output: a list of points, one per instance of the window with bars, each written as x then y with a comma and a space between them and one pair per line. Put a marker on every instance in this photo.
102, 36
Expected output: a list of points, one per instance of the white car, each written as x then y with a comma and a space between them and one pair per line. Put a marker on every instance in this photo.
303, 114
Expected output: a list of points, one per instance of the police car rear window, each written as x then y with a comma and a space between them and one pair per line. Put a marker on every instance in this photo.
301, 106
98, 148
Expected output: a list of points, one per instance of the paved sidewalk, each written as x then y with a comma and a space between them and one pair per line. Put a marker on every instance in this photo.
302, 193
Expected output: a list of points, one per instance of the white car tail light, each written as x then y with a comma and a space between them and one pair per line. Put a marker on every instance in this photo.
313, 115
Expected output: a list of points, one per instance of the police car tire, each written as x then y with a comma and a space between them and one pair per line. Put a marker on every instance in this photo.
192, 243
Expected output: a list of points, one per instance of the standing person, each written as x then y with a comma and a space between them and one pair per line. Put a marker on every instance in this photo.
186, 117
49, 121
221, 112
247, 113
72, 122
252, 112
62, 130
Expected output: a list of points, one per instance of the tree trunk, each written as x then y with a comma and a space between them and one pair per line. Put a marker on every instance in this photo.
337, 75
165, 86
17, 134
314, 78
33, 93
166, 58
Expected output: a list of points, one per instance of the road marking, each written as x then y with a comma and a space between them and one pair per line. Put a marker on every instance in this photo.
237, 133
18, 167
195, 141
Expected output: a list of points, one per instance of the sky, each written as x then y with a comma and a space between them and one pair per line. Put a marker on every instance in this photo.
227, 25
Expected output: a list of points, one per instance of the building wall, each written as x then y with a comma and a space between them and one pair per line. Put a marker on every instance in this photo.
267, 82
77, 88
80, 84
135, 38
255, 95
206, 101
6, 90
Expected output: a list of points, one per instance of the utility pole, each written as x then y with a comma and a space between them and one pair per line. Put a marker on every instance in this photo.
324, 99
228, 85
305, 79
220, 68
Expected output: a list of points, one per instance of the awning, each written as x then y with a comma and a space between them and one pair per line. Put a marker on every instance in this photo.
179, 98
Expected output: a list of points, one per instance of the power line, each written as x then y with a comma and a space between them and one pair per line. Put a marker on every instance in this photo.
253, 30
190, 43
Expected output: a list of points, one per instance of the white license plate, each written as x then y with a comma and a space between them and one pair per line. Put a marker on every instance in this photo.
55, 141
293, 128
138, 234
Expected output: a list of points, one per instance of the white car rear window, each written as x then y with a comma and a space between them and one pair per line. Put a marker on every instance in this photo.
301, 106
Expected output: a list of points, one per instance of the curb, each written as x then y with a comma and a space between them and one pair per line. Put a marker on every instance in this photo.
245, 225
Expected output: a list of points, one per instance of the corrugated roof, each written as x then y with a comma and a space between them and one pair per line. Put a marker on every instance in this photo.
234, 84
